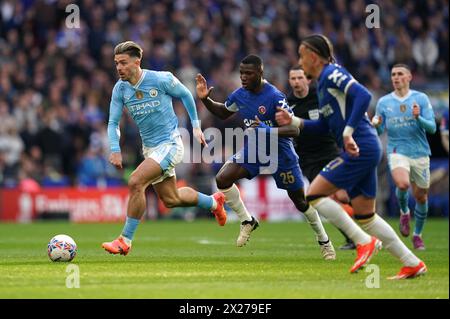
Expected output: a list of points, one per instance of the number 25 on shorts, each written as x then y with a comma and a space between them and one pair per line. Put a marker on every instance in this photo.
287, 177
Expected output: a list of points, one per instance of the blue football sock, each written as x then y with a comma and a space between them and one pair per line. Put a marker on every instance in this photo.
205, 201
402, 197
130, 227
420, 214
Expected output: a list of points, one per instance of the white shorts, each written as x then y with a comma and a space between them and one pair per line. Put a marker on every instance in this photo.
167, 155
418, 168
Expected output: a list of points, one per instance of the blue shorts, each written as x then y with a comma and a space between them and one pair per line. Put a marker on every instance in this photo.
357, 175
287, 175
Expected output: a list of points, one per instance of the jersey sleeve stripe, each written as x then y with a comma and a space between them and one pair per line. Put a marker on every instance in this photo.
348, 85
232, 108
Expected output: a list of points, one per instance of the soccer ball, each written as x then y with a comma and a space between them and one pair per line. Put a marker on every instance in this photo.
62, 248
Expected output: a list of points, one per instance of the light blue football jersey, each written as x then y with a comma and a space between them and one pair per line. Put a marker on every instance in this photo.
149, 103
405, 135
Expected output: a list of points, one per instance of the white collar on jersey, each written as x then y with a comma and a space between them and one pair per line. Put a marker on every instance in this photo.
401, 99
140, 80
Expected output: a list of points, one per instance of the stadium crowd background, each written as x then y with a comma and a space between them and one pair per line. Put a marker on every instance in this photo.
56, 82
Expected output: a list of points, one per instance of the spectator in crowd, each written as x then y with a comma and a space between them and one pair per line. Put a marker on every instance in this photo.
54, 80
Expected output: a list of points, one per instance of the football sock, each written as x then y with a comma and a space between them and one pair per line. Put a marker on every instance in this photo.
130, 228
336, 215
420, 214
316, 224
234, 200
402, 197
376, 226
206, 202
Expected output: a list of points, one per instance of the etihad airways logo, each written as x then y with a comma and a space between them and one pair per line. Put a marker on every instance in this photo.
142, 106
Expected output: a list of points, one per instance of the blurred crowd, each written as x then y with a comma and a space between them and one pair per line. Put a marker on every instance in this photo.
56, 82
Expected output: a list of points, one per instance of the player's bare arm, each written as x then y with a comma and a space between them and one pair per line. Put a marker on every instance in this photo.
283, 131
203, 93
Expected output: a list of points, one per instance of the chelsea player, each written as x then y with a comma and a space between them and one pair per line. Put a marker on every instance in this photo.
256, 102
407, 115
147, 96
343, 103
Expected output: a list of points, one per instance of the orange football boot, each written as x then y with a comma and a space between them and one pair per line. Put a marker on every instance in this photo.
364, 253
117, 246
411, 272
219, 212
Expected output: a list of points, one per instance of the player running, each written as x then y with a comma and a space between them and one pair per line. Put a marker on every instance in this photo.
343, 104
407, 115
256, 102
315, 151
147, 95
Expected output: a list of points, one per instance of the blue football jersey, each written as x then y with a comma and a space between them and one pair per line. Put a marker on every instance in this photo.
149, 103
405, 136
335, 106
357, 175
263, 105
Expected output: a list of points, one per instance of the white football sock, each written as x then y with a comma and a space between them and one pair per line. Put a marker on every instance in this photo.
337, 216
234, 200
377, 227
316, 224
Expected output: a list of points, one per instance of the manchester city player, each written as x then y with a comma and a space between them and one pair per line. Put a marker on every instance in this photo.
407, 116
147, 96
256, 102
343, 103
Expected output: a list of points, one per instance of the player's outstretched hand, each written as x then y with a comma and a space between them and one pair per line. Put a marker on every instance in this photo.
116, 160
199, 136
202, 88
350, 146
283, 117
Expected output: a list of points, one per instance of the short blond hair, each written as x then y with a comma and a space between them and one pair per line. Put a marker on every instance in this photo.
129, 47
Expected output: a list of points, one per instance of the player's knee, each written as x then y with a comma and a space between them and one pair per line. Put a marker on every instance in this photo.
403, 185
135, 185
302, 205
222, 181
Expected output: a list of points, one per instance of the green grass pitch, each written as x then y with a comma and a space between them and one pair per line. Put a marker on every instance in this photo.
178, 259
